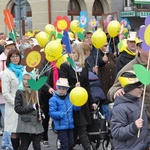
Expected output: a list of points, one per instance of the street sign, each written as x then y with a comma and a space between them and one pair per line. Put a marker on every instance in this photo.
128, 14
19, 1
144, 14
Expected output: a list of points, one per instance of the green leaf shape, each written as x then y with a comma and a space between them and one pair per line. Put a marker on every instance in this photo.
71, 61
142, 74
36, 85
13, 36
80, 36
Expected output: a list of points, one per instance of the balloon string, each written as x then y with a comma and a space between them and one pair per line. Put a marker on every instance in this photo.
47, 68
43, 69
96, 57
68, 109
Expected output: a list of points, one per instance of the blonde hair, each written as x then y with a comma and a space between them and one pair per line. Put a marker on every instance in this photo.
31, 97
85, 47
77, 47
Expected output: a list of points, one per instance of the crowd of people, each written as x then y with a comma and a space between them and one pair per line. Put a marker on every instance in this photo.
20, 105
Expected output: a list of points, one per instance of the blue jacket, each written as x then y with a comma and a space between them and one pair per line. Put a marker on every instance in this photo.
58, 106
124, 131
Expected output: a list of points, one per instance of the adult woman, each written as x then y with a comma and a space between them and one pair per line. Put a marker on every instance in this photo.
10, 81
9, 45
82, 117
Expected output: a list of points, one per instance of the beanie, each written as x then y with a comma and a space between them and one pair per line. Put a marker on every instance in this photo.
129, 81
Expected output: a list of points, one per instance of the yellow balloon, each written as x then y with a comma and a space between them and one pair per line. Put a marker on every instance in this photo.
113, 28
53, 50
42, 38
99, 39
61, 60
78, 96
49, 28
71, 35
75, 26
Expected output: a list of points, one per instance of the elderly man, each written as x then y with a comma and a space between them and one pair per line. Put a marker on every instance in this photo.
128, 53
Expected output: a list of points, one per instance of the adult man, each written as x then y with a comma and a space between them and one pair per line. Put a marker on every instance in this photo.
117, 90
127, 54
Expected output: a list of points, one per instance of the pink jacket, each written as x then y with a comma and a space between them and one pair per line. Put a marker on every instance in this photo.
3, 58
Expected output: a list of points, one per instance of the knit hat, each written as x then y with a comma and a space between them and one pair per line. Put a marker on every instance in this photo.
129, 81
62, 82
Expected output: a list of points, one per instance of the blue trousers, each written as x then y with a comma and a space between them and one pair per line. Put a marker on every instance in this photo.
6, 139
66, 139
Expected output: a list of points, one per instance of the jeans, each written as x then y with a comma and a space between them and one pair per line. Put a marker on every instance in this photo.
2, 110
6, 139
66, 139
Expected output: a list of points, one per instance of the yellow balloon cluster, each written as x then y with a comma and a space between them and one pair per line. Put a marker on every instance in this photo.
78, 96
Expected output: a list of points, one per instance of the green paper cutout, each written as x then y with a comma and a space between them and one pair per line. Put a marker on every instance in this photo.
36, 85
59, 36
13, 36
142, 74
80, 36
70, 60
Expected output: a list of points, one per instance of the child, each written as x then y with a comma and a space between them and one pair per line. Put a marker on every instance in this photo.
61, 111
29, 127
125, 116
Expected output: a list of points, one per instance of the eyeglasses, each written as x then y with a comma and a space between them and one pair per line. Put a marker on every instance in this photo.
13, 57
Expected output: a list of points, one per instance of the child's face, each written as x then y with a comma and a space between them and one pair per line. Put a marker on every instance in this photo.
25, 78
62, 91
137, 91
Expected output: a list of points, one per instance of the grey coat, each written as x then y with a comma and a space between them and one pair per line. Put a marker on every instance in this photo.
124, 131
28, 117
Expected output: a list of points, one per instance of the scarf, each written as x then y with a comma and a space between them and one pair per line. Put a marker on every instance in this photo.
55, 74
17, 70
130, 52
77, 67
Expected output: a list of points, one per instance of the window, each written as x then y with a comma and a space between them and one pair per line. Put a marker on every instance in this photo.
97, 11
73, 10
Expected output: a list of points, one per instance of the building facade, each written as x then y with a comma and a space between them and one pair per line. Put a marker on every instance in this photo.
43, 12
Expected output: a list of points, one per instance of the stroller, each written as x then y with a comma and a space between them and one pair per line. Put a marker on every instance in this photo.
99, 131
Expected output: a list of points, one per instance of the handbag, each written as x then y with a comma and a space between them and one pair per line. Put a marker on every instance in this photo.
0, 79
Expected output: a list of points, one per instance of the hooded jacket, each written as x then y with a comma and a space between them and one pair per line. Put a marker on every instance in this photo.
125, 112
58, 106
27, 116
